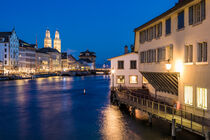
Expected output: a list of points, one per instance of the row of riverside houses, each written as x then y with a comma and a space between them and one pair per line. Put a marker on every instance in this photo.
171, 57
19, 57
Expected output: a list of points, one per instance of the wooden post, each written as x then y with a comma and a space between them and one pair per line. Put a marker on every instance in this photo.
158, 107
181, 118
165, 111
173, 129
150, 119
191, 120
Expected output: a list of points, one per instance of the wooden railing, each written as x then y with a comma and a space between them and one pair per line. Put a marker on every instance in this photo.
184, 119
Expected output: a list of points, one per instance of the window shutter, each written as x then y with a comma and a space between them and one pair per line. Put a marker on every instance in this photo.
199, 52
191, 15
191, 53
205, 52
203, 10
186, 53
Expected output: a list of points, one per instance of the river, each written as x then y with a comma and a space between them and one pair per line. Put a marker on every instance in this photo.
56, 108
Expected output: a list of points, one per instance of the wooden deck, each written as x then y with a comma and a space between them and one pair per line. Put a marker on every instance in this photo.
191, 122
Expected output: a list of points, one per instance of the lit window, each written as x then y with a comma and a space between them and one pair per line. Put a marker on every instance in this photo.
133, 79
188, 95
120, 79
202, 98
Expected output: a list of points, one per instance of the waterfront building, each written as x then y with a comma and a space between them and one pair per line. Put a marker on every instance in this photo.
54, 58
1, 68
27, 57
125, 71
57, 41
88, 58
47, 40
174, 54
64, 61
42, 62
9, 51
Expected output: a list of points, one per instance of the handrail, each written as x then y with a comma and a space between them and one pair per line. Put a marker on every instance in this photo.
157, 108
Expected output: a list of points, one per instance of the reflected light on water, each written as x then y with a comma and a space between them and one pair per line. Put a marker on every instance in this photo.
113, 126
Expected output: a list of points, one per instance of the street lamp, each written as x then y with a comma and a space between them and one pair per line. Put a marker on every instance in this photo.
112, 72
168, 66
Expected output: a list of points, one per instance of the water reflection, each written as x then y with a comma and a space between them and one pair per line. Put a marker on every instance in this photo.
55, 108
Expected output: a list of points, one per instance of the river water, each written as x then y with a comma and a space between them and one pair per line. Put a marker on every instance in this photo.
56, 108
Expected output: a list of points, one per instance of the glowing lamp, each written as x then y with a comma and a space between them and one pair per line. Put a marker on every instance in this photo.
179, 66
168, 66
112, 71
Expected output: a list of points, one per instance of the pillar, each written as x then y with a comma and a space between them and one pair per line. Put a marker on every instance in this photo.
150, 119
207, 135
173, 129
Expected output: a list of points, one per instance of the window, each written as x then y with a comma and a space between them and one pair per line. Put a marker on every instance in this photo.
168, 26
161, 54
133, 79
202, 98
120, 79
148, 56
169, 52
181, 20
5, 56
188, 95
188, 53
202, 52
197, 13
5, 50
151, 33
120, 64
5, 62
133, 64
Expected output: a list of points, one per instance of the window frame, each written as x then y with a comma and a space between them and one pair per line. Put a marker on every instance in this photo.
166, 25
192, 95
205, 104
117, 79
118, 64
132, 65
178, 20
136, 79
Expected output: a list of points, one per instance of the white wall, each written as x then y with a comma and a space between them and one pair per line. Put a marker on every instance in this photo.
126, 71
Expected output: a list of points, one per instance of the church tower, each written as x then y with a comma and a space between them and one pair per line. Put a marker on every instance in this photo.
47, 40
57, 41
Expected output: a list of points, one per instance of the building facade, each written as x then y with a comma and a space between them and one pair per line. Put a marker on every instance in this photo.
125, 71
47, 40
57, 41
174, 55
88, 58
42, 62
27, 57
9, 47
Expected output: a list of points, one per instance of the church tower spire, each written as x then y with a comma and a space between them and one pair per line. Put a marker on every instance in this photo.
47, 40
57, 41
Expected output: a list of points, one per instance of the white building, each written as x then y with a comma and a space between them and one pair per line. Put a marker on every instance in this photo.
125, 71
174, 52
9, 51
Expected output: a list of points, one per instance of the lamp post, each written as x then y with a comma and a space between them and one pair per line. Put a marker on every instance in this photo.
168, 66
112, 72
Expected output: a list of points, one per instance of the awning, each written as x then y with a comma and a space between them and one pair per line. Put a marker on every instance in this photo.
164, 82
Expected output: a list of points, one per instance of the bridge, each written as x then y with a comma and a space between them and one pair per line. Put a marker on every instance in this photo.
178, 118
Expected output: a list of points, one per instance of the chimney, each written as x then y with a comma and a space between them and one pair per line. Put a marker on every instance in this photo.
126, 49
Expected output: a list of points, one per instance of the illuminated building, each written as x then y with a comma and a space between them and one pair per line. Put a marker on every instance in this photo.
88, 58
57, 41
47, 40
9, 51
42, 62
173, 50
125, 71
27, 57
54, 62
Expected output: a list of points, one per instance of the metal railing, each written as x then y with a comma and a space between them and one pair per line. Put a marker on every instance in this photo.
184, 119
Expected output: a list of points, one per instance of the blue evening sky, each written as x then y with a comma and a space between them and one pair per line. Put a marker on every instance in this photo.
103, 26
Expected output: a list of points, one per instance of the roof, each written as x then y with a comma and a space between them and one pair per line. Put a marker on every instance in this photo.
72, 57
85, 60
5, 35
24, 44
176, 7
64, 55
46, 50
87, 51
122, 55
